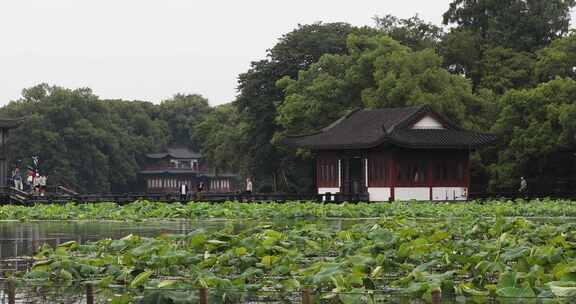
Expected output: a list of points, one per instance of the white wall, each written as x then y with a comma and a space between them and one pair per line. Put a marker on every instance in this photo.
407, 194
379, 194
331, 190
428, 123
449, 194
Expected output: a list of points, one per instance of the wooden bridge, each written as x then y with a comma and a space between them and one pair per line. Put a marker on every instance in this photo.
62, 195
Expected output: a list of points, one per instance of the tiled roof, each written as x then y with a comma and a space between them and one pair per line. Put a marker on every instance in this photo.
176, 153
170, 171
364, 129
441, 138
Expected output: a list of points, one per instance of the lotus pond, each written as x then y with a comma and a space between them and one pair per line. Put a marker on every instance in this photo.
510, 252
142, 210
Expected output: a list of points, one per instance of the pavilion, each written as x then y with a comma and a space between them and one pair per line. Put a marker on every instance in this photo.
393, 154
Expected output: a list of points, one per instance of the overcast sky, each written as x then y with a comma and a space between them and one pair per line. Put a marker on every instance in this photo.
150, 50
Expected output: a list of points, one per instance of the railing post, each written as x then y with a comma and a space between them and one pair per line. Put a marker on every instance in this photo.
89, 293
436, 296
306, 297
203, 295
11, 291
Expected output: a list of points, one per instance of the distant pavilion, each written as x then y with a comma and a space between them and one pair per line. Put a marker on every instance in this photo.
394, 154
165, 171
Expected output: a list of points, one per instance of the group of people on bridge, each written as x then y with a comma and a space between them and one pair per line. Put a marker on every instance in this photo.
33, 182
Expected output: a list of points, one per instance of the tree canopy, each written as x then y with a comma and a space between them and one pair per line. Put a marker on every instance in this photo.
522, 25
535, 126
96, 145
378, 72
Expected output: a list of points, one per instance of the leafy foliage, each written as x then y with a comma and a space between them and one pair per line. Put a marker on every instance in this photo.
471, 257
378, 72
84, 142
517, 24
412, 32
143, 210
534, 126
259, 97
95, 145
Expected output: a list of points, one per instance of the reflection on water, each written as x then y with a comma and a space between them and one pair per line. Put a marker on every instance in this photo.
19, 239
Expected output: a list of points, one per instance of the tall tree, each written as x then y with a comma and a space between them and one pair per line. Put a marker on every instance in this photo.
84, 142
221, 136
557, 60
536, 129
412, 32
505, 33
182, 113
259, 97
523, 25
378, 72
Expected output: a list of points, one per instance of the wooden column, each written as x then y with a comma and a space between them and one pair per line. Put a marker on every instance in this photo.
203, 293
11, 291
3, 158
89, 293
393, 177
345, 178
306, 296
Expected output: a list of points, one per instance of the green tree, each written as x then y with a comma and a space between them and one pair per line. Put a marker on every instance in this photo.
536, 126
182, 113
412, 32
522, 25
221, 135
492, 42
259, 97
85, 143
557, 60
505, 69
377, 72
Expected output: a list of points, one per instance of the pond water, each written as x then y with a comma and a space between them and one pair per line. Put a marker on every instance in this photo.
19, 239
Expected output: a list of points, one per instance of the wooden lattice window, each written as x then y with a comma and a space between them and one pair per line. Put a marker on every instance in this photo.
327, 173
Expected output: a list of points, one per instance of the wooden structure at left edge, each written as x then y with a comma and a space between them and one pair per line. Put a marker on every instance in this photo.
5, 126
394, 154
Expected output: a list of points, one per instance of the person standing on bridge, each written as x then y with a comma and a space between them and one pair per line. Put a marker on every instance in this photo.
17, 178
523, 185
249, 186
183, 192
36, 183
30, 181
42, 182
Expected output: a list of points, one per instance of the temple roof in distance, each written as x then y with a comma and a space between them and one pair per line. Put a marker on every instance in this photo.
176, 153
364, 129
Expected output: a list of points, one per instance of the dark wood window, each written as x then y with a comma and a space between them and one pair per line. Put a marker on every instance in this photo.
377, 172
449, 171
412, 172
327, 173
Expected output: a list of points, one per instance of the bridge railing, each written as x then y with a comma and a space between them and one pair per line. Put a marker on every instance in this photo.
63, 195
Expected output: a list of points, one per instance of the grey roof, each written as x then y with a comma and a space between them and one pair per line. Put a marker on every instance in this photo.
364, 129
169, 171
176, 153
219, 175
